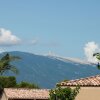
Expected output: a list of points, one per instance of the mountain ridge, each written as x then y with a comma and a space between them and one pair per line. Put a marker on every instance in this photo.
46, 71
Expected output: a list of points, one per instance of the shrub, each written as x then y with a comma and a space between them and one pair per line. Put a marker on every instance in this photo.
6, 82
10, 82
26, 85
64, 93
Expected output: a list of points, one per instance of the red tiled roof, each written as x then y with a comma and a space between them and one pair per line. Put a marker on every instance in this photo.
21, 93
88, 81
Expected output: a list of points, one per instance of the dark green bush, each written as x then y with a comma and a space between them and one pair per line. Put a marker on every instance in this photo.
67, 93
6, 82
10, 82
26, 85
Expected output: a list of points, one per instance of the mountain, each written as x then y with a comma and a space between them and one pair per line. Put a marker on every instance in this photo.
74, 60
46, 71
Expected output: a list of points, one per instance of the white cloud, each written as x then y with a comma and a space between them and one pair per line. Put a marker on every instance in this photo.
89, 49
34, 41
7, 38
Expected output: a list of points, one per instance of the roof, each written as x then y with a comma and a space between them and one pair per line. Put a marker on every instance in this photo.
21, 93
88, 81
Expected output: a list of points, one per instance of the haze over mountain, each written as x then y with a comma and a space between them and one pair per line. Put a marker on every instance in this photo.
46, 71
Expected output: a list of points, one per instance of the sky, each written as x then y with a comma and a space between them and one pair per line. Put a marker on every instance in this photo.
68, 28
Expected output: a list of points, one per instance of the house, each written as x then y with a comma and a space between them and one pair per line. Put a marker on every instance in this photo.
25, 94
90, 87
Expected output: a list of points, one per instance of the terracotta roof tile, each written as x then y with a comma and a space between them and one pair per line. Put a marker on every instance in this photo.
88, 81
21, 93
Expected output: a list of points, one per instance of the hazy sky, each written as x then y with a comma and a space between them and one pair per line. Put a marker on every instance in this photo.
63, 27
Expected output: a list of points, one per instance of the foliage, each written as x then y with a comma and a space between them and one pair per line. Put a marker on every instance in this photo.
97, 55
6, 82
26, 85
10, 82
5, 64
64, 93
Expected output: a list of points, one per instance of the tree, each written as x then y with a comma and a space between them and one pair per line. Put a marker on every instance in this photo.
97, 55
64, 93
24, 84
10, 82
7, 81
5, 64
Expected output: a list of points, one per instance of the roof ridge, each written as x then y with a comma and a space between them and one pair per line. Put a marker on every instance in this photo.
84, 78
88, 81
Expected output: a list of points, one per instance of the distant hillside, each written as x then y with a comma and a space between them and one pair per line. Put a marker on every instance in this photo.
46, 71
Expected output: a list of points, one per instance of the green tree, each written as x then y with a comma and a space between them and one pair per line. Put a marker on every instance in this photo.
5, 64
64, 93
24, 84
97, 55
7, 81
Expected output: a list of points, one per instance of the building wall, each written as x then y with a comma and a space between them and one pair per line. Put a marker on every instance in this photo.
89, 93
4, 97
